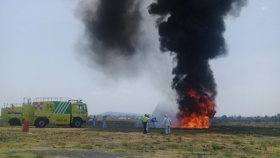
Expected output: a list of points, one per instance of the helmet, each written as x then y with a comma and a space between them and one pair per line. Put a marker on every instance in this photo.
166, 114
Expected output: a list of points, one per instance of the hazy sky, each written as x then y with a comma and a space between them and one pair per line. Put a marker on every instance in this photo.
38, 57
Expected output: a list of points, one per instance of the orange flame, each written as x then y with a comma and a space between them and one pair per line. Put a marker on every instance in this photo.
201, 118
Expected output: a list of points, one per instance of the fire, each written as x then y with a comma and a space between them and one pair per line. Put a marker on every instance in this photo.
194, 121
200, 117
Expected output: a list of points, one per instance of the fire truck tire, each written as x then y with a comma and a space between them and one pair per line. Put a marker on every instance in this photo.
18, 122
40, 123
77, 123
14, 122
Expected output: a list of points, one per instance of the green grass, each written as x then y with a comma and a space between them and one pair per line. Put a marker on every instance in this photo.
124, 137
252, 142
87, 147
228, 154
237, 142
263, 145
173, 146
39, 156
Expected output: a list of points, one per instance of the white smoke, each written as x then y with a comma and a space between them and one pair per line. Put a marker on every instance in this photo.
165, 107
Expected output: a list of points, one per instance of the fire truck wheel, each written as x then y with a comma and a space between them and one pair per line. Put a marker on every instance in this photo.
77, 123
14, 122
39, 123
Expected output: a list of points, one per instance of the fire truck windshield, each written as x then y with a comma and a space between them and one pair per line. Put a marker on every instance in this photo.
82, 107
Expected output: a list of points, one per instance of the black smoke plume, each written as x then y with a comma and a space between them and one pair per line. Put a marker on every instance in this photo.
194, 31
111, 30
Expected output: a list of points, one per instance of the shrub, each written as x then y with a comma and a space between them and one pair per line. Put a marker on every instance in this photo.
237, 142
252, 142
216, 146
125, 144
228, 154
173, 146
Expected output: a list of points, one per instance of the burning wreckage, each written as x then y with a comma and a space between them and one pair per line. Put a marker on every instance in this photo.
191, 29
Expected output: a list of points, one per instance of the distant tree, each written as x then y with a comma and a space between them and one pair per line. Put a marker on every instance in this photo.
239, 117
224, 117
258, 120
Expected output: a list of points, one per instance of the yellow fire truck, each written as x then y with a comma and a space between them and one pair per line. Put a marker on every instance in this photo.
47, 110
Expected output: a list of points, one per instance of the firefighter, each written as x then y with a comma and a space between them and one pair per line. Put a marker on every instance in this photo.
148, 123
88, 120
144, 122
94, 120
167, 124
104, 121
154, 120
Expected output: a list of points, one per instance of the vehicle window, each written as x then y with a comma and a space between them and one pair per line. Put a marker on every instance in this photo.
85, 107
82, 107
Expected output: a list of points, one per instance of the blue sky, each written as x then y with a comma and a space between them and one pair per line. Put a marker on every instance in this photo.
39, 58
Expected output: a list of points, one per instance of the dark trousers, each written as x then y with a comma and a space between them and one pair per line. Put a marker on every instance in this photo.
145, 127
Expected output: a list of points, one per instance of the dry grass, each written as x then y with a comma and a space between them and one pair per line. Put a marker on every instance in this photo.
124, 137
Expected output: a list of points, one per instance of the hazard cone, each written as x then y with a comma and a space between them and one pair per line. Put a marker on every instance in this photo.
25, 127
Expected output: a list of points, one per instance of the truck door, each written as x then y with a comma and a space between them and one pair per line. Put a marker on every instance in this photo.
28, 112
4, 114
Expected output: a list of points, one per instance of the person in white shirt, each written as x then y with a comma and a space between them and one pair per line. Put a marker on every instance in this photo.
94, 120
104, 121
148, 123
167, 124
